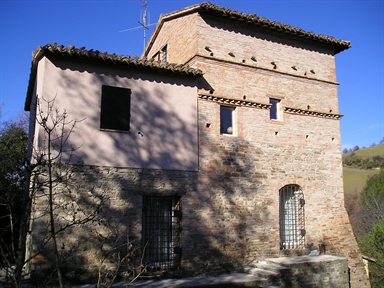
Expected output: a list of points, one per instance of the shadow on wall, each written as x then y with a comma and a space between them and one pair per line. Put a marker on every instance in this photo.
163, 120
224, 205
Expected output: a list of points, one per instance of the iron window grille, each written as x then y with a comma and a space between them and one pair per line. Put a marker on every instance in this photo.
161, 232
292, 221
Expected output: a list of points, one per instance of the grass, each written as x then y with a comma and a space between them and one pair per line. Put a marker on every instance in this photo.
369, 152
355, 179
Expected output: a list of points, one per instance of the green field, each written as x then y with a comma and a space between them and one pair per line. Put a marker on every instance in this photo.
354, 179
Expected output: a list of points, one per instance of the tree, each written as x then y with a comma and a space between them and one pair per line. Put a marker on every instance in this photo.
371, 234
25, 180
13, 143
49, 172
373, 199
46, 180
57, 195
372, 244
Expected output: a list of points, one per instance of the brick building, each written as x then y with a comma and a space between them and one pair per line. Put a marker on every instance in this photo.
229, 156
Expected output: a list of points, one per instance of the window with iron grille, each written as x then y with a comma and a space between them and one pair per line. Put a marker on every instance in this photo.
161, 232
292, 222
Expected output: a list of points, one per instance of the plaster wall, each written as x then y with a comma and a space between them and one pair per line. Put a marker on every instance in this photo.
163, 132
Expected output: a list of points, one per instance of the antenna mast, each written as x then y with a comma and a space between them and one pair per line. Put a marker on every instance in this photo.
143, 22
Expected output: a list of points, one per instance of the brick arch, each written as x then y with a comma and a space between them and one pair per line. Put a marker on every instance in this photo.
291, 181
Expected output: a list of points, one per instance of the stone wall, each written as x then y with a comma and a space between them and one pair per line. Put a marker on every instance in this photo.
102, 207
313, 271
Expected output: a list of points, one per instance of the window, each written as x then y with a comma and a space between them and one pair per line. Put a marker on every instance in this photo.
274, 112
161, 56
227, 120
161, 232
115, 108
292, 225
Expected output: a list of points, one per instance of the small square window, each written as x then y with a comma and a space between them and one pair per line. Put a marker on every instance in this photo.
115, 108
274, 112
227, 120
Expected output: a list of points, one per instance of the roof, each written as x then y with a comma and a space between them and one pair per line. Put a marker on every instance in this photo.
91, 55
252, 19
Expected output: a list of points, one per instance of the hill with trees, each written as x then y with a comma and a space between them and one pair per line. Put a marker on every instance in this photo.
360, 164
364, 200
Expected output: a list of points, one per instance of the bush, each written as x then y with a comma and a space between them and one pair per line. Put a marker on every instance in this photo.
372, 244
371, 237
355, 161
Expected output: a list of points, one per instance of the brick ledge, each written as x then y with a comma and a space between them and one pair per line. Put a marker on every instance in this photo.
312, 113
248, 103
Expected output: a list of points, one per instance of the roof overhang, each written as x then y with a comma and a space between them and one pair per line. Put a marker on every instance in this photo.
251, 19
103, 58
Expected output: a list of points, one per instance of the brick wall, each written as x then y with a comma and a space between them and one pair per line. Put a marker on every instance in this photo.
117, 196
237, 206
248, 41
231, 205
179, 49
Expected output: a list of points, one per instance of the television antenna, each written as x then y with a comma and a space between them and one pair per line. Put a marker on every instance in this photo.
143, 22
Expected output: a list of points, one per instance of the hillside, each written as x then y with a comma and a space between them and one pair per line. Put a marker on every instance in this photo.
354, 175
369, 152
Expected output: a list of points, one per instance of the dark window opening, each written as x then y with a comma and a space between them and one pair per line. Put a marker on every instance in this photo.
292, 222
274, 111
161, 232
226, 120
115, 108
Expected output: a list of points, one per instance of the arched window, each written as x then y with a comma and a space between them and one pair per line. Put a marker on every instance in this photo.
292, 222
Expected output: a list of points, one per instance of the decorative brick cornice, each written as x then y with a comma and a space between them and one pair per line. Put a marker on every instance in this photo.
312, 113
234, 102
248, 103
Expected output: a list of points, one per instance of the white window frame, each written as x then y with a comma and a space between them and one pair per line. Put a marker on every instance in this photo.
233, 120
278, 114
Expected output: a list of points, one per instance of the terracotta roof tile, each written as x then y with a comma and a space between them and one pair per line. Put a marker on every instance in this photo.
102, 57
82, 53
339, 45
252, 19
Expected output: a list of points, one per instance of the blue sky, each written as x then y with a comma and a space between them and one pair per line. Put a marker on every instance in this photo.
24, 25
